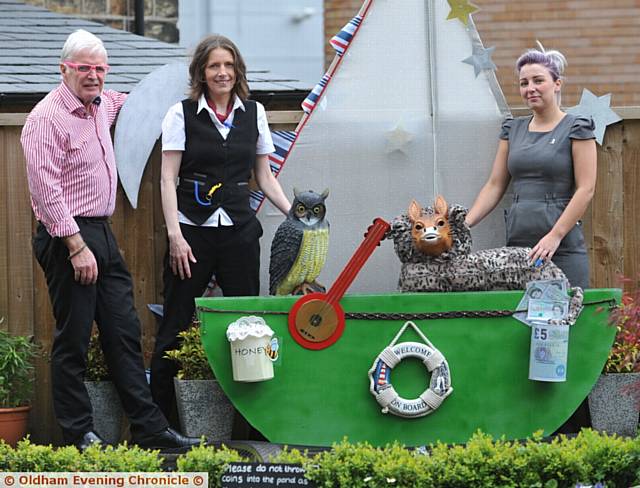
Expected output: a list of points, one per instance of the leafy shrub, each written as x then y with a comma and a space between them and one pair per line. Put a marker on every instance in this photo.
588, 458
483, 462
190, 356
97, 369
37, 458
208, 459
625, 352
17, 354
611, 459
552, 463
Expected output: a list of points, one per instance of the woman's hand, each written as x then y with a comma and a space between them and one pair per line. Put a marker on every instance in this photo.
545, 248
179, 256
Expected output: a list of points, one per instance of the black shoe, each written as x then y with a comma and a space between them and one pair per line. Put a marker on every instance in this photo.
89, 439
166, 440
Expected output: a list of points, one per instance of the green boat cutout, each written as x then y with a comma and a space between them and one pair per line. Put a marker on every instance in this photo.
318, 397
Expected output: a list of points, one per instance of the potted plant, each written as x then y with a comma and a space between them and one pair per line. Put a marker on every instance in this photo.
105, 402
615, 400
17, 355
203, 407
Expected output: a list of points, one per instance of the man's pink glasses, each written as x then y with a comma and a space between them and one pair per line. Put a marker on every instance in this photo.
101, 69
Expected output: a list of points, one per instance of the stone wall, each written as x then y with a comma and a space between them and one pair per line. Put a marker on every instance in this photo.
160, 16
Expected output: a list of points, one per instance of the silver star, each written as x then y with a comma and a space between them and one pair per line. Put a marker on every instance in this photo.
481, 59
598, 108
398, 139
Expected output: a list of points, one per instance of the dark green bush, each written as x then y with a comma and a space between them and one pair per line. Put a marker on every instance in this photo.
32, 457
210, 460
97, 369
483, 462
17, 356
611, 459
190, 356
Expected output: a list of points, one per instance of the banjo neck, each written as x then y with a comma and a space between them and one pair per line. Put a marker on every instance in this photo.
373, 236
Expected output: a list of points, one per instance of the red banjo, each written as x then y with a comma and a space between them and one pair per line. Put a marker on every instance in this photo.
316, 320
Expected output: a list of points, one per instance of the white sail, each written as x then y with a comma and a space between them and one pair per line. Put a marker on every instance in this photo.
402, 117
140, 122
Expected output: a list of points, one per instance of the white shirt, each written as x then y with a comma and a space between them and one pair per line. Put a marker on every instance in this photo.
173, 139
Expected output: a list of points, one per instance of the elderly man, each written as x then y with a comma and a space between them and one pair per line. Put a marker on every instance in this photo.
72, 179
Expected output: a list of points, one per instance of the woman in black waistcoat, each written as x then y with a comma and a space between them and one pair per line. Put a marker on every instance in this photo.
211, 143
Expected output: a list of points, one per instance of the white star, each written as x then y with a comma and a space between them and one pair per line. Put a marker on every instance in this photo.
398, 139
481, 59
598, 108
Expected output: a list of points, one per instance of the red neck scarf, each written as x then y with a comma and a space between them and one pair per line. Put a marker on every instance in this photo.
221, 117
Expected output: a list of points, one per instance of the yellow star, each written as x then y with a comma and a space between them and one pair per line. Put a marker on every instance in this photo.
461, 9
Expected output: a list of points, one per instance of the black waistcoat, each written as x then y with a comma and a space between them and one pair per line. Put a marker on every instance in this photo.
209, 160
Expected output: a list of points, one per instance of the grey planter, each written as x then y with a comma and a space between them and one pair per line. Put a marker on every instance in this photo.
204, 409
107, 410
613, 404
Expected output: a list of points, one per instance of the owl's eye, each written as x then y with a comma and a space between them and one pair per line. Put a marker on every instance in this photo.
440, 223
418, 226
300, 208
317, 209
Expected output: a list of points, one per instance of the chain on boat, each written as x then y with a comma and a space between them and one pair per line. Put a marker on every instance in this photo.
452, 314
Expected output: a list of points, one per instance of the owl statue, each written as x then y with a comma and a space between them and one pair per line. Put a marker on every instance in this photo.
299, 247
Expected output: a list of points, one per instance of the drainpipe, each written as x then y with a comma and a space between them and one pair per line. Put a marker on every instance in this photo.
138, 17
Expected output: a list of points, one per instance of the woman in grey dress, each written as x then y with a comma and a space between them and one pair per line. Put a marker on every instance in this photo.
551, 158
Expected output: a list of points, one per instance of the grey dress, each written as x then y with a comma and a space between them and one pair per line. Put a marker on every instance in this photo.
541, 168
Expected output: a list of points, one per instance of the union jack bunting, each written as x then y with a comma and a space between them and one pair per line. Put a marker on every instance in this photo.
314, 95
342, 39
282, 140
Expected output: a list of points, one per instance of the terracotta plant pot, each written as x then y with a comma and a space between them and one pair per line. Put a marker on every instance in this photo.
13, 424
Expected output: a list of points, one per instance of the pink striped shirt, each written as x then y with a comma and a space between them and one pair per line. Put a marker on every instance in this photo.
70, 162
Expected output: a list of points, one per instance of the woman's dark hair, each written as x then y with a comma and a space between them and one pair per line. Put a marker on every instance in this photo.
197, 82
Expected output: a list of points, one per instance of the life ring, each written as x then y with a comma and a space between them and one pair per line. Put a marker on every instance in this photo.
439, 386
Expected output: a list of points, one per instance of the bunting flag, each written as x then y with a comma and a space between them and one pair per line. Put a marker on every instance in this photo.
340, 43
282, 140
310, 102
341, 40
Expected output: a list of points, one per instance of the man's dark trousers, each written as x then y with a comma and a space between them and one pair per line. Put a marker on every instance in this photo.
110, 303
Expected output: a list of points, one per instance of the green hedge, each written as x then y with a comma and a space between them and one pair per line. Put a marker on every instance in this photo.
210, 460
33, 457
483, 462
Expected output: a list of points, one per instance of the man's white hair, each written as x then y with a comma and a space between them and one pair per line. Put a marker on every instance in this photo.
82, 40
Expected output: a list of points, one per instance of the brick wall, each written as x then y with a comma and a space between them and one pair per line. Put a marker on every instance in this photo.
600, 38
160, 16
